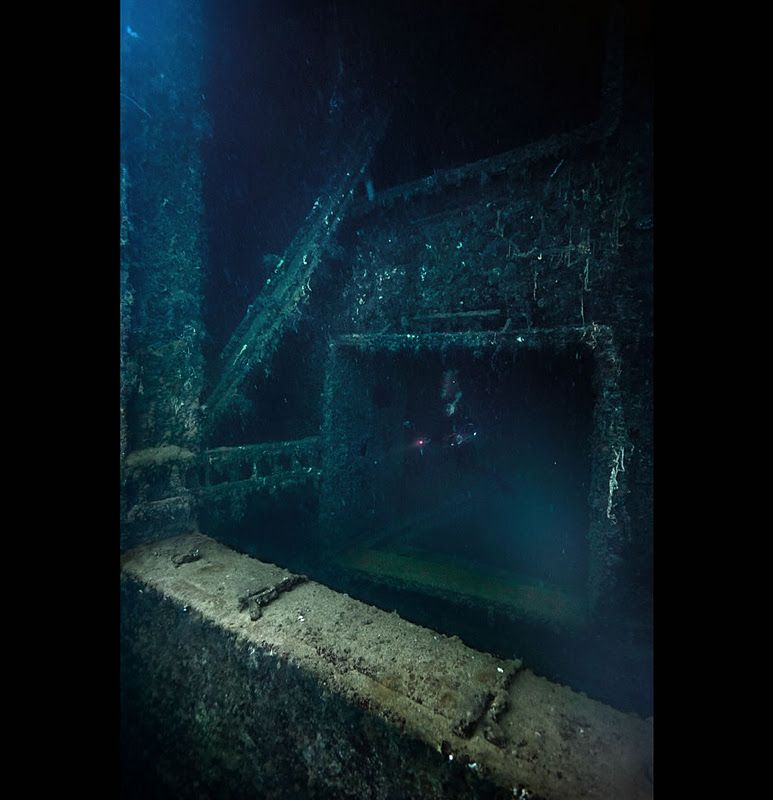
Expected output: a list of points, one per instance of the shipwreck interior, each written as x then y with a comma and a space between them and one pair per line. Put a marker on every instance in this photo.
502, 481
386, 400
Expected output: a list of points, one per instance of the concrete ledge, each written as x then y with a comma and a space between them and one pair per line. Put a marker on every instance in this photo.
369, 705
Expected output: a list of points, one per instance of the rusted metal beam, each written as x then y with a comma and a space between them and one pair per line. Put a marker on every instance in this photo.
288, 287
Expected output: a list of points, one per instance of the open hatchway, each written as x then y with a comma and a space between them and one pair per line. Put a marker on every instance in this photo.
481, 475
454, 457
489, 469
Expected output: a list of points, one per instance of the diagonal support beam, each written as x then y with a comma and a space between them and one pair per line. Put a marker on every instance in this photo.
258, 334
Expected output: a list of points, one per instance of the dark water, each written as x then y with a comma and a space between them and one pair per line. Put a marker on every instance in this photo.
519, 476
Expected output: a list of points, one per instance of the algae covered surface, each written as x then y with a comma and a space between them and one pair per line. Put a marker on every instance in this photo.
500, 723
